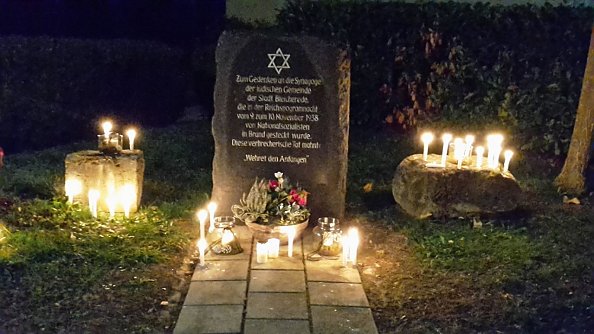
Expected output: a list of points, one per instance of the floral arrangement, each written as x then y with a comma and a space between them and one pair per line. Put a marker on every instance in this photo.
273, 202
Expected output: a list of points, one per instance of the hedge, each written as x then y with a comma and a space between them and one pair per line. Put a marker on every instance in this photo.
517, 68
54, 91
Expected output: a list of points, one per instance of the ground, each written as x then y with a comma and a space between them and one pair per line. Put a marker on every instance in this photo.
62, 271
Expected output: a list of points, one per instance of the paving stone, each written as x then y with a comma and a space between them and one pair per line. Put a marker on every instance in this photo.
281, 262
216, 293
222, 270
277, 305
276, 326
209, 319
277, 281
331, 271
339, 294
342, 320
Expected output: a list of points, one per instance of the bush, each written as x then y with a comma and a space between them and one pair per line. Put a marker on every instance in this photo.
477, 66
54, 90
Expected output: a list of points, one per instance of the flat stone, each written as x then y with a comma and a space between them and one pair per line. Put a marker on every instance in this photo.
277, 305
342, 320
331, 271
222, 271
277, 281
216, 293
339, 294
209, 319
276, 326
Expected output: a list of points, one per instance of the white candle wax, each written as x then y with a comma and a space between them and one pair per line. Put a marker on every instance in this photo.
479, 156
469, 140
291, 235
127, 198
202, 214
212, 208
72, 188
345, 250
111, 205
490, 150
508, 155
427, 138
273, 247
261, 252
131, 133
446, 138
353, 245
459, 151
202, 244
107, 126
93, 196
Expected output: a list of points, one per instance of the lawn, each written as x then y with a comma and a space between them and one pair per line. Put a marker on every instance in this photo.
63, 271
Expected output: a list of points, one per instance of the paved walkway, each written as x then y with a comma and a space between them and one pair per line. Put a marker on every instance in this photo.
234, 294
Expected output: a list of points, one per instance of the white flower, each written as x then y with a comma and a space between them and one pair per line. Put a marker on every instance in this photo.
278, 175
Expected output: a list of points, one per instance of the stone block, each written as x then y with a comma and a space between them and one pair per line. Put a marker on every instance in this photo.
209, 319
222, 271
331, 271
277, 281
276, 326
339, 294
216, 293
277, 305
342, 320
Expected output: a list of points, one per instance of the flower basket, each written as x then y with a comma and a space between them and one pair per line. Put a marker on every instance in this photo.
277, 230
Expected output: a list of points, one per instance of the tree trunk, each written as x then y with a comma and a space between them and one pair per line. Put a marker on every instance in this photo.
572, 179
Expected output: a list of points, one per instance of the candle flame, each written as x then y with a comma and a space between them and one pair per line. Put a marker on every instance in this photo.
427, 137
107, 127
508, 154
212, 207
446, 137
469, 139
202, 214
227, 237
72, 187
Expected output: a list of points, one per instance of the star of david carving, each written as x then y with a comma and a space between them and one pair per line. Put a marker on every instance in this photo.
285, 59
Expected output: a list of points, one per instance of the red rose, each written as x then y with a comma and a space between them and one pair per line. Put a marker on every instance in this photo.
302, 200
273, 184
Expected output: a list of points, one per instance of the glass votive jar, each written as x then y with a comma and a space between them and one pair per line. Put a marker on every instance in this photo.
328, 236
227, 243
110, 143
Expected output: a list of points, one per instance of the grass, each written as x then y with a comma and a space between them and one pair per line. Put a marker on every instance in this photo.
63, 271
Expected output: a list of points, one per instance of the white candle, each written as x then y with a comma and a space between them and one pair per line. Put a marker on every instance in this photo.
427, 138
127, 198
227, 237
72, 187
202, 214
446, 138
345, 250
111, 202
508, 155
131, 133
494, 146
479, 156
469, 140
459, 151
93, 196
498, 149
107, 126
202, 244
212, 208
353, 245
273, 247
261, 252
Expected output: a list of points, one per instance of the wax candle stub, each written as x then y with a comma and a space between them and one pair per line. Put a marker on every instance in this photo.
427, 138
273, 247
261, 252
131, 133
479, 156
508, 155
72, 188
446, 138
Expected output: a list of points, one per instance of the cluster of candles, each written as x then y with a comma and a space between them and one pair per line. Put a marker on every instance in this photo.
463, 149
270, 249
124, 197
110, 139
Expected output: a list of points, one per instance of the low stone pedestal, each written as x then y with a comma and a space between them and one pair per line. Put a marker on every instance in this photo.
107, 174
423, 191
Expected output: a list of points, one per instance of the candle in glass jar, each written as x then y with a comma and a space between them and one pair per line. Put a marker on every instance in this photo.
261, 252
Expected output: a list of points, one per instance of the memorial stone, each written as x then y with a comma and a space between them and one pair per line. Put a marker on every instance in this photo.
281, 104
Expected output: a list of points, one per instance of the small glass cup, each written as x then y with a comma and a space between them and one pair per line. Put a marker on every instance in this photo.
110, 143
227, 242
328, 236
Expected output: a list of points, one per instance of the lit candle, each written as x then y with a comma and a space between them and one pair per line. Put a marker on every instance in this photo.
202, 214
131, 133
345, 250
353, 245
446, 138
459, 151
498, 141
227, 237
93, 196
469, 140
494, 146
427, 138
127, 198
202, 244
111, 205
107, 126
508, 155
479, 156
261, 252
290, 235
273, 247
72, 188
212, 207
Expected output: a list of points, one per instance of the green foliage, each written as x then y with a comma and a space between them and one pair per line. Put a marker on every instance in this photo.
475, 66
53, 90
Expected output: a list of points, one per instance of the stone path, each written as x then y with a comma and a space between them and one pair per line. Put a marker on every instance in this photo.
234, 294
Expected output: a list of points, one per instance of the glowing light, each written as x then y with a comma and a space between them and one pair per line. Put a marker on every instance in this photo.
202, 214
353, 245
107, 127
479, 156
72, 187
93, 196
469, 140
202, 244
459, 151
127, 198
427, 138
261, 252
273, 247
446, 138
290, 231
131, 133
212, 208
508, 155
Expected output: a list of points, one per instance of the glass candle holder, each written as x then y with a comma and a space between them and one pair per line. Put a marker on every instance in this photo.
328, 236
110, 143
228, 242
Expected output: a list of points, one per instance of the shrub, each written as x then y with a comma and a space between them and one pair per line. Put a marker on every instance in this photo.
54, 90
518, 67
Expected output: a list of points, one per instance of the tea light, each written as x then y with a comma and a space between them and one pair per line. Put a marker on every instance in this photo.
212, 207
479, 156
131, 133
93, 196
446, 138
469, 140
353, 245
345, 249
202, 244
459, 151
127, 198
427, 138
261, 252
273, 247
508, 155
72, 187
202, 214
